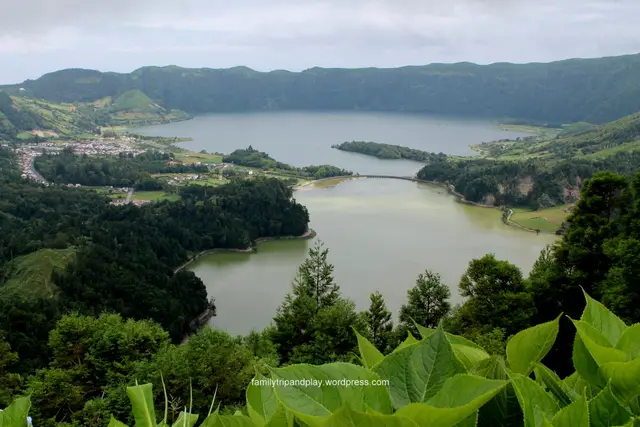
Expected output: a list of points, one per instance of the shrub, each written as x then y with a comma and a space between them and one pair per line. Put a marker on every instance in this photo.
441, 380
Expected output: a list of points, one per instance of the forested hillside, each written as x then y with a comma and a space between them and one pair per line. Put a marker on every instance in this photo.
590, 90
540, 173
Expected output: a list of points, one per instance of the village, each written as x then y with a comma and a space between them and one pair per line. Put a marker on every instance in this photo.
26, 154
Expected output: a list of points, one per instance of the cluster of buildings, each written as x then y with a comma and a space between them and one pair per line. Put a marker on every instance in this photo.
26, 156
122, 202
177, 180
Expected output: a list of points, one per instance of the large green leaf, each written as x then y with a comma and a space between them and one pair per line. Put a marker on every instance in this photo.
459, 398
586, 366
425, 332
564, 394
468, 352
261, 400
530, 394
417, 372
605, 410
575, 383
310, 402
503, 410
408, 342
603, 320
217, 420
346, 417
597, 345
15, 415
280, 418
541, 419
185, 420
470, 421
114, 423
574, 415
530, 346
369, 354
141, 397
629, 342
469, 356
623, 378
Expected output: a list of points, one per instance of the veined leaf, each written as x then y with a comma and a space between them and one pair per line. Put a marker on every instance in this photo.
531, 345
425, 332
346, 417
453, 339
541, 419
370, 355
141, 397
574, 415
503, 410
576, 383
261, 400
280, 418
409, 341
603, 320
417, 372
629, 341
471, 421
563, 394
310, 402
605, 410
15, 415
185, 420
530, 395
586, 366
623, 378
469, 356
112, 423
217, 420
597, 345
459, 398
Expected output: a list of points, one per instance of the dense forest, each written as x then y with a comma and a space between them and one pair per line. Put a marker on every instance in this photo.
87, 357
534, 183
591, 90
122, 258
126, 170
388, 151
253, 158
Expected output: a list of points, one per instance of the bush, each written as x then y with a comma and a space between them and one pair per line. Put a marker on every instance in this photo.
441, 380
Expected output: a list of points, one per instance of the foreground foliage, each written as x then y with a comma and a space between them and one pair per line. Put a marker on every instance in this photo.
441, 380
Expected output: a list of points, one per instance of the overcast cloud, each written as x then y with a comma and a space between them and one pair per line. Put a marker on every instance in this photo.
39, 36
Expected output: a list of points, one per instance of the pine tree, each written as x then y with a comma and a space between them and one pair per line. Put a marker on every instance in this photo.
378, 322
315, 278
313, 324
427, 305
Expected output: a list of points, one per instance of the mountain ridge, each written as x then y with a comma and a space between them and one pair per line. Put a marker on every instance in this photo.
595, 90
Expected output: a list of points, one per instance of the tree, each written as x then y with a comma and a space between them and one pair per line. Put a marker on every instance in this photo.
496, 298
427, 303
315, 278
379, 326
313, 324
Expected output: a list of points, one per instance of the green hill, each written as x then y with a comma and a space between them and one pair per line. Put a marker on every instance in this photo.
540, 173
31, 274
575, 90
134, 100
14, 119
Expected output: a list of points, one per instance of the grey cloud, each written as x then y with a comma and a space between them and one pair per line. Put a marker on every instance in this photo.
42, 35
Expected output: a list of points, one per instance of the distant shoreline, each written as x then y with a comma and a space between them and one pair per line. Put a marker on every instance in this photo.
309, 234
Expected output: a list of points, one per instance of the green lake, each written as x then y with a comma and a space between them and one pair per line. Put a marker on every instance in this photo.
381, 233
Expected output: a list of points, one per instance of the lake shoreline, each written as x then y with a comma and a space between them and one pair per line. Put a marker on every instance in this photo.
309, 234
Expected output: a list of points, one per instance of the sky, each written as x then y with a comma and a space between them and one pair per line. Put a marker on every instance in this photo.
40, 36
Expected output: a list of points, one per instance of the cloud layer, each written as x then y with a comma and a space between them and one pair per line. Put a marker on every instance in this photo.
38, 36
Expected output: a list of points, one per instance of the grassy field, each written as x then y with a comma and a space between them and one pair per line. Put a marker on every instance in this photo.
548, 220
154, 195
191, 157
32, 273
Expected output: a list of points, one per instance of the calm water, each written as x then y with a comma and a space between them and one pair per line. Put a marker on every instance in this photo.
381, 234
302, 138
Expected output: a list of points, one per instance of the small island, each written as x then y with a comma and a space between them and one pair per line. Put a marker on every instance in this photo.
388, 151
